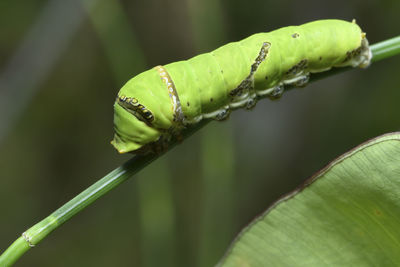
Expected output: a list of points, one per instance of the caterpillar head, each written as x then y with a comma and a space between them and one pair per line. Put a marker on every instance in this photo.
131, 125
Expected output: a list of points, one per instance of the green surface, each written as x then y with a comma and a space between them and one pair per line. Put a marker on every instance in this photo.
348, 214
59, 145
213, 84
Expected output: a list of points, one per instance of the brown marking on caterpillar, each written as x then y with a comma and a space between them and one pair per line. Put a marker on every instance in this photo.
247, 83
133, 106
353, 53
173, 94
298, 67
295, 35
211, 99
188, 104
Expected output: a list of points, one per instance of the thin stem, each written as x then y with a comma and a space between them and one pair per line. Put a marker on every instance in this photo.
40, 230
14, 252
384, 49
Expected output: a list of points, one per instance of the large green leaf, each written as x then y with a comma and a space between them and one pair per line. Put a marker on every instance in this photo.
348, 214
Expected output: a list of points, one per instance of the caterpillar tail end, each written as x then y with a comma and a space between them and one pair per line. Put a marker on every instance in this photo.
360, 57
364, 59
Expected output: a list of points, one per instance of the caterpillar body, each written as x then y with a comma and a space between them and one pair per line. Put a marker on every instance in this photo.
160, 102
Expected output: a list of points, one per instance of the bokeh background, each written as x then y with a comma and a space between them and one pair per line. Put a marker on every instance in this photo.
61, 66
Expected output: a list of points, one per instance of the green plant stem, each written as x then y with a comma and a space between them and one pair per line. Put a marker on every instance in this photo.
384, 49
40, 230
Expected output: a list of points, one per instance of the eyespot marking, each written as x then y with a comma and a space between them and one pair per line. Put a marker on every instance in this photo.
133, 106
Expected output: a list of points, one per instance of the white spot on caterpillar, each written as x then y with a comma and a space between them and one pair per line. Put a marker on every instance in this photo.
302, 81
299, 80
220, 114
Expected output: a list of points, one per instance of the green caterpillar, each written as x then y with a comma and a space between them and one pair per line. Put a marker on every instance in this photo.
160, 102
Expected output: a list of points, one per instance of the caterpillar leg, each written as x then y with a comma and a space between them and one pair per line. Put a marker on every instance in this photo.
162, 144
298, 76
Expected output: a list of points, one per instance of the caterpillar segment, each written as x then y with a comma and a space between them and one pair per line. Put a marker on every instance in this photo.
157, 104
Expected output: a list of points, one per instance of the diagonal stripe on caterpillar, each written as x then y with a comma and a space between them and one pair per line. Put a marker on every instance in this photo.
158, 103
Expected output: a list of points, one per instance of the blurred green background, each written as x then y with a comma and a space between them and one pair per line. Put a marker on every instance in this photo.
61, 66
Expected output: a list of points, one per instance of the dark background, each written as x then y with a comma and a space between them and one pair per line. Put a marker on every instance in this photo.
61, 66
